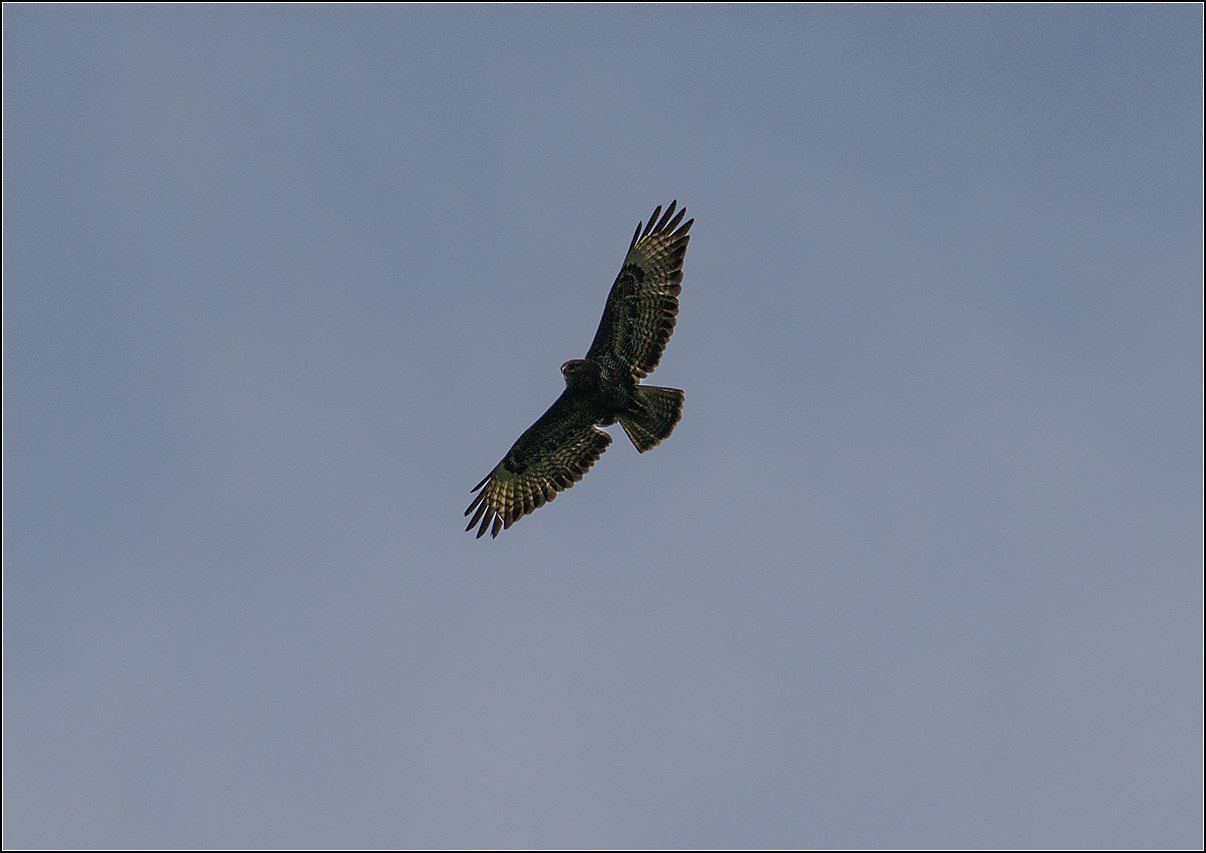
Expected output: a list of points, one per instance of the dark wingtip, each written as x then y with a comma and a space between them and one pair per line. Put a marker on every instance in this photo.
652, 222
661, 226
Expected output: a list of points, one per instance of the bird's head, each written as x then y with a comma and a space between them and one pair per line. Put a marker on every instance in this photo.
579, 372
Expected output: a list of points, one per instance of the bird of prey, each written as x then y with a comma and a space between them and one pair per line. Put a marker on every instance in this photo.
601, 388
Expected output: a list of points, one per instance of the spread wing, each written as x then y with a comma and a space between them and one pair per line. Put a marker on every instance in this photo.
643, 303
550, 456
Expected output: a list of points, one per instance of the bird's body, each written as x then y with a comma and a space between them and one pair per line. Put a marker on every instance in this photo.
557, 450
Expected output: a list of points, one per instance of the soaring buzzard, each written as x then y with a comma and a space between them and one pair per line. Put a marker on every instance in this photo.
602, 388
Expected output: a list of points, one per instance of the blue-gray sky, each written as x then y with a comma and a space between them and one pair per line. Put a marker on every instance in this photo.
921, 566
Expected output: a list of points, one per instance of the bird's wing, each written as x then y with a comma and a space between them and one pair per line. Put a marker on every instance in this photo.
550, 456
643, 303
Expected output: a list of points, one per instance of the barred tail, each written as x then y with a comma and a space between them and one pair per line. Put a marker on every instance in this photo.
653, 418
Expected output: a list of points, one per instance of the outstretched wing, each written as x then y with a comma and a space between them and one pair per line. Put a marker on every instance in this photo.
643, 302
550, 456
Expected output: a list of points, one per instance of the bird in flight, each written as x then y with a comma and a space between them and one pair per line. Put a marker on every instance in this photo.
557, 450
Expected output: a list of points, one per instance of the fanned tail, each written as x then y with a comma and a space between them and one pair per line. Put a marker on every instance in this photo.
653, 418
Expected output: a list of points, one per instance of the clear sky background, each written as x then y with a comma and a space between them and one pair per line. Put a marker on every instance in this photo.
921, 566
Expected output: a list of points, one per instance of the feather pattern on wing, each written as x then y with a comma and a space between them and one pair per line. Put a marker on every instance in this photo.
549, 457
643, 304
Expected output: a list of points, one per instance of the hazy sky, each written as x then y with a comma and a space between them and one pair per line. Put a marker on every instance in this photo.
921, 565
